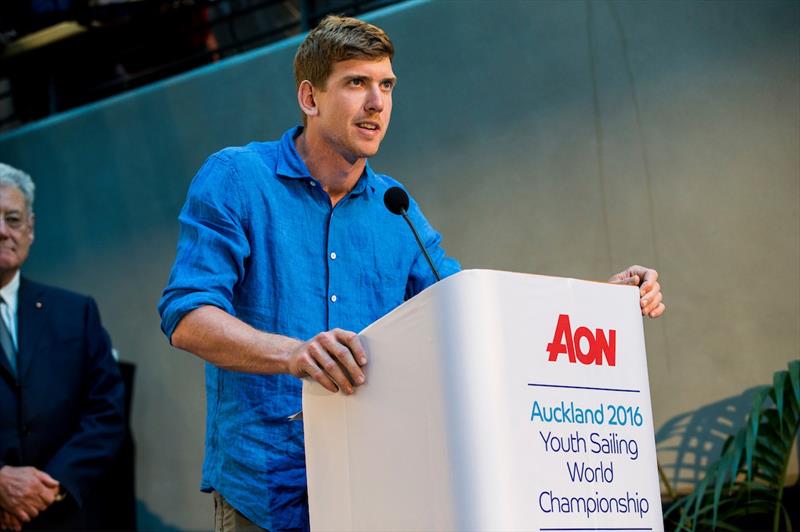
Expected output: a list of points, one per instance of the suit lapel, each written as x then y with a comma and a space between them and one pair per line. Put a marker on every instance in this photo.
30, 321
5, 367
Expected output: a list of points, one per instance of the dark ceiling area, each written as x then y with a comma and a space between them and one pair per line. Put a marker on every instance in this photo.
59, 54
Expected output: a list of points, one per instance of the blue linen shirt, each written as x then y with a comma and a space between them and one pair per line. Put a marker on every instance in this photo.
260, 240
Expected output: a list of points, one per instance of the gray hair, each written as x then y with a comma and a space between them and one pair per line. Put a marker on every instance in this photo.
10, 176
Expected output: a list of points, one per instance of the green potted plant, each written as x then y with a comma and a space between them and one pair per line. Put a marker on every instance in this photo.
745, 486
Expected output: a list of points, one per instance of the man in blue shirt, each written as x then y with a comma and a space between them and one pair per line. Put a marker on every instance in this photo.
285, 249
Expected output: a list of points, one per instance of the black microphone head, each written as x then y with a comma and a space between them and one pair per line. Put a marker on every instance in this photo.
396, 200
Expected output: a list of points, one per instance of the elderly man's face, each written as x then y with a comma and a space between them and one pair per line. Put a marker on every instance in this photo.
16, 231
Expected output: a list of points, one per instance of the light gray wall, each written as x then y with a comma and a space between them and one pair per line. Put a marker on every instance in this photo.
563, 138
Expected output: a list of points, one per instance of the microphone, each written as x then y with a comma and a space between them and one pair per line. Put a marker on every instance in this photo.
396, 200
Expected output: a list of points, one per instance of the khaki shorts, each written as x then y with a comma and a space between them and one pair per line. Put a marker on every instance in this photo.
228, 519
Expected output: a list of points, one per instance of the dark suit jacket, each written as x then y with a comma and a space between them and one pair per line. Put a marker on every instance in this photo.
64, 412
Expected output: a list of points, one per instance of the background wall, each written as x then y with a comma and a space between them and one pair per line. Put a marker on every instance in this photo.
565, 138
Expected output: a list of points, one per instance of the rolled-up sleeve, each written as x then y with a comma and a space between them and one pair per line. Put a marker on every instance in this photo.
212, 245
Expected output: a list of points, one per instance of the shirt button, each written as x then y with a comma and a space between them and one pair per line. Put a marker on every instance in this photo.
333, 298
333, 255
312, 183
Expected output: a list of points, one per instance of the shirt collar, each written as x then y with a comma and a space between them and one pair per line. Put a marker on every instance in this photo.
10, 293
291, 165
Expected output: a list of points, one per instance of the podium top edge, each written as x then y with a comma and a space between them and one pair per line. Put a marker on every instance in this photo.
483, 271
481, 276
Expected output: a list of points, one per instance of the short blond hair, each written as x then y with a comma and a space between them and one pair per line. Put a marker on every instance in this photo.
338, 39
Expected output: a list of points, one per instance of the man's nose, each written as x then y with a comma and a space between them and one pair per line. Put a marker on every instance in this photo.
374, 101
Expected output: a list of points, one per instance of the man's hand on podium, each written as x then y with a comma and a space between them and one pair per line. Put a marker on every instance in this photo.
332, 358
650, 297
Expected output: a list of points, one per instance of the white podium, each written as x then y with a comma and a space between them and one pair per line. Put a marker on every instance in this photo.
494, 401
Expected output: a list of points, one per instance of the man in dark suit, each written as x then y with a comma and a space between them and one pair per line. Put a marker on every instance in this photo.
61, 395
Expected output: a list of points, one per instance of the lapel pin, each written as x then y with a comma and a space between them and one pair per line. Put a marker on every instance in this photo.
38, 304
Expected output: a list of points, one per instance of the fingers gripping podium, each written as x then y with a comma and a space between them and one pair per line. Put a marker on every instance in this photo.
494, 401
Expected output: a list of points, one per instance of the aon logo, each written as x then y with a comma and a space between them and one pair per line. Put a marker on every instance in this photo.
600, 346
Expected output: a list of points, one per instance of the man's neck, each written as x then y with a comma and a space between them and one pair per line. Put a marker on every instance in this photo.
337, 174
6, 277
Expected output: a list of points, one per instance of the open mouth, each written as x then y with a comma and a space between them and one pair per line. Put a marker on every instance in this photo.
368, 126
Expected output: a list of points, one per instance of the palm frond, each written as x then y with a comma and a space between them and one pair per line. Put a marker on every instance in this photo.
747, 480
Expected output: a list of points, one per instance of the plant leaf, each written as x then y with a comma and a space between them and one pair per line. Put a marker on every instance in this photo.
750, 443
755, 411
700, 491
771, 447
758, 454
788, 519
752, 432
778, 381
737, 450
719, 481
726, 444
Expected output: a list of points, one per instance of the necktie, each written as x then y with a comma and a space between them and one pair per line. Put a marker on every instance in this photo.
6, 343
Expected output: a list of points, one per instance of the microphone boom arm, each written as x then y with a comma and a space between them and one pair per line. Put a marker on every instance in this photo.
404, 214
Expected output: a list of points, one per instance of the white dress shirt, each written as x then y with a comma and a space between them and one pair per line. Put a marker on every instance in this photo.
8, 309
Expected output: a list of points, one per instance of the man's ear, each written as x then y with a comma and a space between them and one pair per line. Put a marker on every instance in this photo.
33, 220
306, 98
